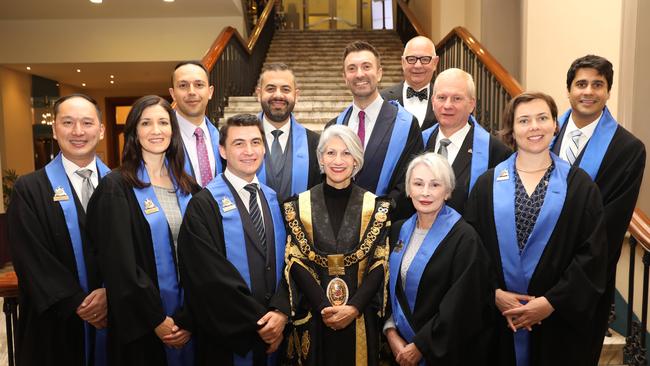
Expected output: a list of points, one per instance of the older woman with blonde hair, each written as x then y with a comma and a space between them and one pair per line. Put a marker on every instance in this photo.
440, 294
336, 260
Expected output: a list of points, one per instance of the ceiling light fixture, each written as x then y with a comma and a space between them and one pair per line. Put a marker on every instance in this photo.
112, 81
28, 68
168, 1
96, 1
78, 70
83, 84
112, 76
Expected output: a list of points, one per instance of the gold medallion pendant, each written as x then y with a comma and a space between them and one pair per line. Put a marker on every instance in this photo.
337, 292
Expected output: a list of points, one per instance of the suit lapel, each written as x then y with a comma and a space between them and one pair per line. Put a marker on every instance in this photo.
380, 131
464, 157
557, 147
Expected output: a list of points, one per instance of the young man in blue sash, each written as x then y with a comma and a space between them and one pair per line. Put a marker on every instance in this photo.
591, 138
419, 62
389, 134
231, 256
290, 165
62, 302
468, 147
191, 91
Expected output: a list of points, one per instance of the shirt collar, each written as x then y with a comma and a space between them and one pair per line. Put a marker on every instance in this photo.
187, 128
587, 130
238, 183
406, 85
457, 137
372, 110
70, 167
268, 128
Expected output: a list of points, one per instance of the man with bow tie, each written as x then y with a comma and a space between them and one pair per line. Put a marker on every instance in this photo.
419, 62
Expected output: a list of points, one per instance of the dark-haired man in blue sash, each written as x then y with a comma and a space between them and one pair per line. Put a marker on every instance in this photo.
290, 165
468, 147
231, 256
191, 92
62, 302
591, 138
389, 134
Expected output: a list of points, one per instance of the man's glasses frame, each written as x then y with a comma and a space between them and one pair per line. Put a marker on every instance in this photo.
424, 60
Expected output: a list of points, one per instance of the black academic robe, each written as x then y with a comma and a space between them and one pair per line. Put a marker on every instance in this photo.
225, 310
454, 305
121, 235
619, 180
395, 92
49, 331
375, 153
311, 342
570, 273
462, 165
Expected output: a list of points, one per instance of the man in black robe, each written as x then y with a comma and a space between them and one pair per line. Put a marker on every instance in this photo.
231, 255
389, 134
591, 139
290, 163
419, 62
454, 99
61, 299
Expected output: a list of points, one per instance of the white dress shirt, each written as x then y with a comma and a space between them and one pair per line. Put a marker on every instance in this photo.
189, 140
587, 132
284, 137
372, 112
76, 180
239, 184
456, 142
414, 105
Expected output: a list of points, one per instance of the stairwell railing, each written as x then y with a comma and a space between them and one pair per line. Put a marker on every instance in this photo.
234, 64
494, 85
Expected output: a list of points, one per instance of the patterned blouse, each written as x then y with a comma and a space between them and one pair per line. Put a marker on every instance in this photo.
527, 208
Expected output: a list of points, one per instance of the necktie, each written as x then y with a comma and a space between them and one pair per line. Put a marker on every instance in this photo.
276, 151
87, 187
442, 150
256, 214
362, 128
573, 150
422, 94
204, 161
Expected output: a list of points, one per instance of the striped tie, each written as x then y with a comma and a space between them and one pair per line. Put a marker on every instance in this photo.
573, 150
256, 214
87, 187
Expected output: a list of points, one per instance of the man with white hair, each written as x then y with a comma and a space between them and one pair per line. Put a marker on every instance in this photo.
419, 62
469, 148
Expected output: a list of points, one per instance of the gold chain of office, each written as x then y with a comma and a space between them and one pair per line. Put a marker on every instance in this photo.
297, 232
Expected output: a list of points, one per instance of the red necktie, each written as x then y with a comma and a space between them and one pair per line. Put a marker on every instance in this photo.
362, 128
204, 161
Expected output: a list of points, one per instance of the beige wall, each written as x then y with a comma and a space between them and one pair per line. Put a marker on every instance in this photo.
16, 121
2, 203
94, 40
501, 33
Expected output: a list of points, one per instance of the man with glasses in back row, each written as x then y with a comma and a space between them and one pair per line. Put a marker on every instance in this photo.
419, 62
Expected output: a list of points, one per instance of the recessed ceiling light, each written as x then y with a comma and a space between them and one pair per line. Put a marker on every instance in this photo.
112, 76
28, 68
168, 1
83, 84
78, 70
57, 84
112, 81
96, 1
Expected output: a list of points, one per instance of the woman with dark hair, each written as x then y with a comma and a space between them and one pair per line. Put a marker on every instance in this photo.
541, 221
133, 223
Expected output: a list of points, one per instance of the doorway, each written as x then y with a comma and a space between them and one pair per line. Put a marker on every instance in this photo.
331, 14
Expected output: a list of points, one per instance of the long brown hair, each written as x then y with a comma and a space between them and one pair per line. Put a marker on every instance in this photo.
175, 154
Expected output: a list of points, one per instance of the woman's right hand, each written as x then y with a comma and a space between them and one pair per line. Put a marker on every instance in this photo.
506, 300
395, 342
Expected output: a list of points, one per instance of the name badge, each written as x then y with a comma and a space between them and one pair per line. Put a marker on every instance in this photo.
60, 195
503, 175
398, 247
227, 204
150, 207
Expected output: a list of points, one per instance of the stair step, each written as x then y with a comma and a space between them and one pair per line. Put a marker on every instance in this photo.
612, 352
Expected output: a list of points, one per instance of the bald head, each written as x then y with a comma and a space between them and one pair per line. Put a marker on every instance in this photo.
418, 74
454, 99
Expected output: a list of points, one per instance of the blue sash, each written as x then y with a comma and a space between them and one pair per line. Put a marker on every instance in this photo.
233, 233
519, 268
480, 150
594, 152
446, 219
299, 156
59, 180
396, 145
214, 140
170, 292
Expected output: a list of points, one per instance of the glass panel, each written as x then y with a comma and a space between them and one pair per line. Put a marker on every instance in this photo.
380, 12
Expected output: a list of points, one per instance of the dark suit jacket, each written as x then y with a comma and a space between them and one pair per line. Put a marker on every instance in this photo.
315, 177
462, 165
395, 93
375, 154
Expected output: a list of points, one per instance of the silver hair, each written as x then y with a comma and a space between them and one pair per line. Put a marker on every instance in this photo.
349, 138
455, 73
439, 167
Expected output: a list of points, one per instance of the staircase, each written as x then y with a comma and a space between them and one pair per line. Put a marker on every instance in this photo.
316, 59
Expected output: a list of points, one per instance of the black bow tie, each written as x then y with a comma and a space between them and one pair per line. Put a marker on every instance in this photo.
422, 94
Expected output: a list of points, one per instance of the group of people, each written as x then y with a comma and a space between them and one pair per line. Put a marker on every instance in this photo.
403, 223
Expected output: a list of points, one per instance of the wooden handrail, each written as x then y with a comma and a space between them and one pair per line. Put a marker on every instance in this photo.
219, 44
509, 83
411, 17
640, 228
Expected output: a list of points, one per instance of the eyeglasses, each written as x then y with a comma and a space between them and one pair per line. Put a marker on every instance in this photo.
424, 60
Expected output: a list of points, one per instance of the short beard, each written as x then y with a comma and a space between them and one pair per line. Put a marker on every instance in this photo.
276, 117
